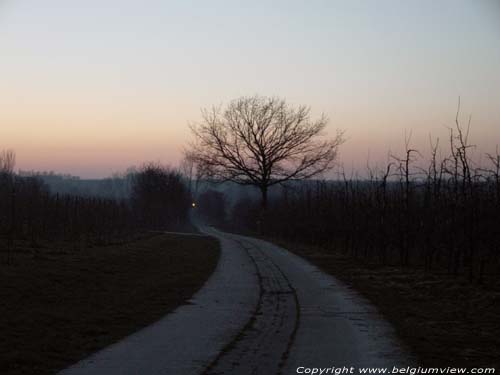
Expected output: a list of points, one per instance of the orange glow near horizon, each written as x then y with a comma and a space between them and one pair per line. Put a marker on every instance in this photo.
106, 147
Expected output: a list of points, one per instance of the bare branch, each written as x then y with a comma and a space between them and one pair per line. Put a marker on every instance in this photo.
262, 141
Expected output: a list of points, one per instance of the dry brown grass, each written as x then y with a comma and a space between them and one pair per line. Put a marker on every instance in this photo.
446, 320
59, 305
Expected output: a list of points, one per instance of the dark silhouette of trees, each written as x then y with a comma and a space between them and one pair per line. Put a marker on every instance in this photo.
262, 141
443, 217
8, 188
31, 214
7, 161
160, 197
34, 215
211, 204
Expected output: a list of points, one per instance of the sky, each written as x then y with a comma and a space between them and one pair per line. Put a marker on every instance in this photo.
92, 87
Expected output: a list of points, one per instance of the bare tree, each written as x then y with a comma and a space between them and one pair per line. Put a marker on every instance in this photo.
7, 161
262, 141
192, 173
7, 164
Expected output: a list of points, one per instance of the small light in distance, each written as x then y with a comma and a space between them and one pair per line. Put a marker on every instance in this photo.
193, 205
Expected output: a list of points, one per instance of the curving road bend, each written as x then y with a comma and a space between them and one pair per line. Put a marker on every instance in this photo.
263, 311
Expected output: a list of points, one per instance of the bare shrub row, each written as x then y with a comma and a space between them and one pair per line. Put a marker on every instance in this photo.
443, 216
30, 212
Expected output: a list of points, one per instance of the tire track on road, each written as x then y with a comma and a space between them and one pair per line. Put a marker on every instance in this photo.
293, 334
264, 342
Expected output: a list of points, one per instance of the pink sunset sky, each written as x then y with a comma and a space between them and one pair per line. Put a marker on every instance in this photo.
93, 87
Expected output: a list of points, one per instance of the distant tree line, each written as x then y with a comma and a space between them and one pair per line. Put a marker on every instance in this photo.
211, 206
118, 186
445, 216
30, 212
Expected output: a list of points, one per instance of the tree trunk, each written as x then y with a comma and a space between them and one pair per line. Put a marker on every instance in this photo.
263, 191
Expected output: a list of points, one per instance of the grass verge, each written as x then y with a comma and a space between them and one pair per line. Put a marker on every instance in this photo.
59, 305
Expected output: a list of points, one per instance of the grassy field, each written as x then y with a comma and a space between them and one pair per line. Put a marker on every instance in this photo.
59, 305
447, 321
